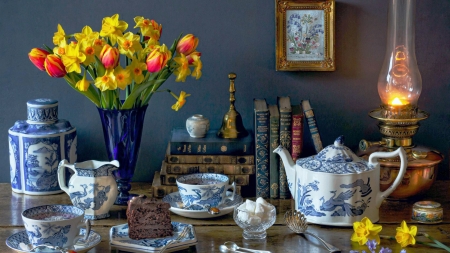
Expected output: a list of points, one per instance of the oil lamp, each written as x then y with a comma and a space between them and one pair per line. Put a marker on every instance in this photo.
399, 88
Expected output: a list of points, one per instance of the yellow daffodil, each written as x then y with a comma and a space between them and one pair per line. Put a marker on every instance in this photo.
197, 72
86, 33
98, 45
181, 100
112, 28
88, 49
73, 58
83, 84
364, 231
61, 48
183, 70
405, 235
106, 82
149, 28
129, 44
136, 67
59, 35
123, 77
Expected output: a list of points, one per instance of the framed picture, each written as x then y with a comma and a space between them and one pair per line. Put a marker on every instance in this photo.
305, 35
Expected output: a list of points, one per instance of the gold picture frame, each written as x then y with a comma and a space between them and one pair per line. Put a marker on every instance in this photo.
305, 35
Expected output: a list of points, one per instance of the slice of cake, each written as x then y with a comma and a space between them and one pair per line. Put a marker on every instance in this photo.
148, 218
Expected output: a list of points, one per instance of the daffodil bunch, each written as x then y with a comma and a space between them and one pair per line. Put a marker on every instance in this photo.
119, 60
365, 232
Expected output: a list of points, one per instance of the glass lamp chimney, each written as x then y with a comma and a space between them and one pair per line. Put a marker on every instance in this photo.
400, 82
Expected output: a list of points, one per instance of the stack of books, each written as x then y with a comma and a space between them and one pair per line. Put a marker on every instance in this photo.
211, 154
279, 124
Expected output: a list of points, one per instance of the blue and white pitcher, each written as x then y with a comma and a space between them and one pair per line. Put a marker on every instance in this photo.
92, 187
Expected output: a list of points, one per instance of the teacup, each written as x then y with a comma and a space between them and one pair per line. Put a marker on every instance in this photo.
204, 190
55, 225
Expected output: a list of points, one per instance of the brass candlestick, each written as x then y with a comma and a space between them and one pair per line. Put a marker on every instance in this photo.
232, 126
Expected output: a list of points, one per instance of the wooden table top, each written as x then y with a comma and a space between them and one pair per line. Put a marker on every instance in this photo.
213, 232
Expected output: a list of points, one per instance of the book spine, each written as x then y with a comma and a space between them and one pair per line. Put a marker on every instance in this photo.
297, 133
262, 153
274, 162
180, 168
207, 159
313, 128
171, 179
286, 141
212, 148
158, 190
162, 190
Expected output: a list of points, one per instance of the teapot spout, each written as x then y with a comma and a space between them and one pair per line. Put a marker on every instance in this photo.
289, 164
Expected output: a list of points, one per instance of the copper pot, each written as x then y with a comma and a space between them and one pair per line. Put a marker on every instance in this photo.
421, 172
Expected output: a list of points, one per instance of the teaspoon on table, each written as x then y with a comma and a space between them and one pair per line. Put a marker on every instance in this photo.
232, 247
296, 222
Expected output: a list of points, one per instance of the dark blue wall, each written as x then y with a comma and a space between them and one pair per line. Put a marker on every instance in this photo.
235, 36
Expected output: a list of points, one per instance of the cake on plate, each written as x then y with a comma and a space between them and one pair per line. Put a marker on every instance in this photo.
148, 218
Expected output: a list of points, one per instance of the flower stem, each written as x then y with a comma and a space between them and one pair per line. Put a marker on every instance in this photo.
441, 245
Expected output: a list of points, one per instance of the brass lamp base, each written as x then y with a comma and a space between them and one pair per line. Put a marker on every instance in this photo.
398, 132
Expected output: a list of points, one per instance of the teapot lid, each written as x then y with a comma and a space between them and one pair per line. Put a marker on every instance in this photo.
335, 159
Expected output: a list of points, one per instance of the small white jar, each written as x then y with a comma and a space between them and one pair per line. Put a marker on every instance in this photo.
197, 126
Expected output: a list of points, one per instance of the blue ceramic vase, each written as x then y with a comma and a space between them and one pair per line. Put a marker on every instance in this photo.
36, 146
122, 130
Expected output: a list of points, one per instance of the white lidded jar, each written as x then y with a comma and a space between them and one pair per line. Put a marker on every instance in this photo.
197, 126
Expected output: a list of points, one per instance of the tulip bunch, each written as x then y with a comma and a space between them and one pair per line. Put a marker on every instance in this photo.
147, 63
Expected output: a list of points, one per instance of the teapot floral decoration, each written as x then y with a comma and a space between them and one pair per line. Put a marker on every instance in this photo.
336, 187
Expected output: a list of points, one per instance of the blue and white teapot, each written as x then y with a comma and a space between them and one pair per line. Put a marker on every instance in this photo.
336, 187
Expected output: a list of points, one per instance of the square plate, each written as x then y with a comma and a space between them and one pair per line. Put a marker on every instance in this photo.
119, 239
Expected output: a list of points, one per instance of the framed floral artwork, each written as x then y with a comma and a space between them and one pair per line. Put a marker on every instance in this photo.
305, 35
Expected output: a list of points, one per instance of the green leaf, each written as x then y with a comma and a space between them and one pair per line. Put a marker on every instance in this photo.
100, 68
174, 45
136, 92
48, 49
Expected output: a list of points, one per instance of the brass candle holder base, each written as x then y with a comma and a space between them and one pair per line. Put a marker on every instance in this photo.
397, 131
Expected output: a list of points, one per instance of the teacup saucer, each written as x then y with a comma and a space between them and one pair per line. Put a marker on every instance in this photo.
118, 238
225, 208
19, 242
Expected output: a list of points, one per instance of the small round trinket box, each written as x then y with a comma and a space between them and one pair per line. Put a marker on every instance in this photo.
429, 212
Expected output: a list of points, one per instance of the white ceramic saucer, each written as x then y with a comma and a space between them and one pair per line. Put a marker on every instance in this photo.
225, 208
119, 239
19, 243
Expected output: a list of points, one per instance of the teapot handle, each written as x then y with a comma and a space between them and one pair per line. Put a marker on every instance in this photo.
403, 164
62, 175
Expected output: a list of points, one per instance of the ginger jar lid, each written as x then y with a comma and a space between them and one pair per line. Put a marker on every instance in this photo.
335, 159
42, 110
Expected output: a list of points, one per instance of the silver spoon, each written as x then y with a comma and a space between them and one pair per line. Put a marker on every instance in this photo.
224, 249
231, 246
296, 222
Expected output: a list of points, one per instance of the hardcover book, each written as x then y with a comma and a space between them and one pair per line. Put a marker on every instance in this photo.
274, 162
284, 106
312, 125
189, 168
261, 124
171, 179
297, 131
207, 159
159, 190
181, 143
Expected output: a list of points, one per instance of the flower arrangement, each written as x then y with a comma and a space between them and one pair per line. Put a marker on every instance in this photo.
147, 62
365, 232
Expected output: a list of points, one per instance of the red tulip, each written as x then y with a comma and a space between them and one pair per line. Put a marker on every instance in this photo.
54, 66
37, 57
110, 56
187, 44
